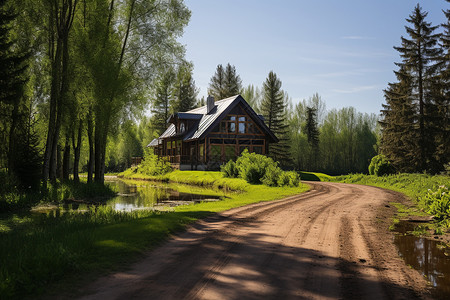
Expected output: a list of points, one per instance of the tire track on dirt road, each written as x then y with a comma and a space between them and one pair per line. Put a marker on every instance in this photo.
329, 243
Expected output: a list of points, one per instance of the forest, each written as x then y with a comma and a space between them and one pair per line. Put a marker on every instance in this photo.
85, 85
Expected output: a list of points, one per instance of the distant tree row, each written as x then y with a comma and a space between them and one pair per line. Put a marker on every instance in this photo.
415, 129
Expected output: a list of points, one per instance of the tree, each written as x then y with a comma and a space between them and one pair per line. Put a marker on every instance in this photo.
419, 58
135, 38
161, 102
274, 110
225, 82
252, 95
13, 76
184, 90
312, 133
399, 134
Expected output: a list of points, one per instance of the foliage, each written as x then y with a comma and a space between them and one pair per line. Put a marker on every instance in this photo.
184, 90
257, 169
438, 202
153, 165
225, 82
252, 95
252, 167
274, 110
380, 166
415, 117
229, 169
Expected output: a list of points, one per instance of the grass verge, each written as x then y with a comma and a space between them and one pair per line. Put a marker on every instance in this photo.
39, 250
417, 187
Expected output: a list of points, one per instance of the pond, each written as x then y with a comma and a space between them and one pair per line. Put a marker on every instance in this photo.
430, 257
134, 195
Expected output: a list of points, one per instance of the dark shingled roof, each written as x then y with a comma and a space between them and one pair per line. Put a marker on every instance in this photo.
207, 121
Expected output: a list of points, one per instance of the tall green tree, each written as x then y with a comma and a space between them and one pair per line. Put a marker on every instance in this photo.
161, 109
13, 76
419, 58
184, 90
312, 133
252, 95
399, 134
225, 82
274, 110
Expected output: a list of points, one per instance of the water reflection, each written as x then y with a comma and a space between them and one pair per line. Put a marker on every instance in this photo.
140, 195
430, 257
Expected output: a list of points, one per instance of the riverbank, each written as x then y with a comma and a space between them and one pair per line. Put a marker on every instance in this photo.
63, 251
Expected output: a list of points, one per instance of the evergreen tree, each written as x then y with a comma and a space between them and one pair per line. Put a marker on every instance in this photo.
184, 90
419, 58
274, 110
252, 95
442, 96
12, 80
225, 82
399, 133
161, 102
312, 133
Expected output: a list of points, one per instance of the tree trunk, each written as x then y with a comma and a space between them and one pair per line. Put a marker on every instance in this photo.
13, 138
66, 160
90, 132
77, 151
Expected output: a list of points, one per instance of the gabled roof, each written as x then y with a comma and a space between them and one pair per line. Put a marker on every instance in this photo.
209, 120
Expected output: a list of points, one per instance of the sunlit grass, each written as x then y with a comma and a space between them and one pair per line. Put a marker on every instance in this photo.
42, 249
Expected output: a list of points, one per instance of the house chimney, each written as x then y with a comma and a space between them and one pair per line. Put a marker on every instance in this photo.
209, 104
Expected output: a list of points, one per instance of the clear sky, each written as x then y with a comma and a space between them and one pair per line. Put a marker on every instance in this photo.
341, 49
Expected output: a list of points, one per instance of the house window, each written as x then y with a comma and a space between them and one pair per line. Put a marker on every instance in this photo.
182, 127
202, 152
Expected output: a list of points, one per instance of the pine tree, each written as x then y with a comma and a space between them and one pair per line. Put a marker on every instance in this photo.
442, 96
312, 133
419, 59
184, 90
274, 110
12, 79
399, 132
161, 102
225, 82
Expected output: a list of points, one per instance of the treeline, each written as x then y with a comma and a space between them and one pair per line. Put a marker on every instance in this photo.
415, 129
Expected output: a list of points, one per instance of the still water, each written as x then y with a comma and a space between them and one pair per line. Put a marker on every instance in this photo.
430, 257
134, 195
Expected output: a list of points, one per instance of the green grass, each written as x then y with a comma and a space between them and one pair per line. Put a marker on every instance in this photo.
416, 187
314, 176
38, 250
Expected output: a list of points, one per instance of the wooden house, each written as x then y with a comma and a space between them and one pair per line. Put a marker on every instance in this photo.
208, 136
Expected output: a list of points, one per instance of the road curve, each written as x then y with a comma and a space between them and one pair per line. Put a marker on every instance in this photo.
329, 243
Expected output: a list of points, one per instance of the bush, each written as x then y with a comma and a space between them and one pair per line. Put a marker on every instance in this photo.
438, 202
273, 176
153, 165
256, 169
252, 167
229, 169
380, 166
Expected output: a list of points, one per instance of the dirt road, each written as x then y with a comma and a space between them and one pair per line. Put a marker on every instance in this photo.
329, 243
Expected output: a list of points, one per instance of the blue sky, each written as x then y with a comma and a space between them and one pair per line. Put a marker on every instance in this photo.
342, 50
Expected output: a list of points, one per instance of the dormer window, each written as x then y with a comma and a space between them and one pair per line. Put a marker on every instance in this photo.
182, 128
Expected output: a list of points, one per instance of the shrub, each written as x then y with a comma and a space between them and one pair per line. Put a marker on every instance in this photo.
257, 168
229, 169
380, 166
153, 165
438, 202
252, 167
273, 175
